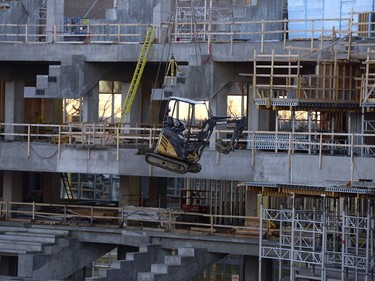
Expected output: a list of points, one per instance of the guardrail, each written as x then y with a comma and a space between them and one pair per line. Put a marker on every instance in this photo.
205, 31
166, 219
88, 135
79, 134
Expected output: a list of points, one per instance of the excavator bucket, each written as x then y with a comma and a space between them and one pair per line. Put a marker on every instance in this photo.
223, 147
226, 147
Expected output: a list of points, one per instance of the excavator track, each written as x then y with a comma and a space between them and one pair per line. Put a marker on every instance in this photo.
168, 163
194, 168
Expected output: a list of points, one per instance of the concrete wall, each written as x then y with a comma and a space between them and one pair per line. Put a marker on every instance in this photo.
80, 8
264, 10
21, 12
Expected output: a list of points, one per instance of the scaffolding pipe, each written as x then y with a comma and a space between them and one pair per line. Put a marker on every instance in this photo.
368, 230
280, 241
324, 239
343, 239
260, 239
292, 239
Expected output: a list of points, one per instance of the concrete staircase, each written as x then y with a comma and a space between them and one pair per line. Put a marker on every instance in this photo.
45, 253
187, 263
155, 263
62, 81
135, 262
21, 240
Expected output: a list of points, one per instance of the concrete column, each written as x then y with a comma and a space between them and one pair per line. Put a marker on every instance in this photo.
162, 13
253, 112
259, 120
51, 185
55, 19
91, 105
8, 266
12, 186
158, 192
1, 185
251, 207
129, 191
52, 112
219, 108
251, 269
14, 107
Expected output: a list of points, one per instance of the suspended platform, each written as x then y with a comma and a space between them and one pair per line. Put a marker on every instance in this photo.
363, 188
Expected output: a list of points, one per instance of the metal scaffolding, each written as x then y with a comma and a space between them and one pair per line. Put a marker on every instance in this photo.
319, 237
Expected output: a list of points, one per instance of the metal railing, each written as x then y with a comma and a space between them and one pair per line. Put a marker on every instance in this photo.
215, 31
86, 135
79, 134
130, 216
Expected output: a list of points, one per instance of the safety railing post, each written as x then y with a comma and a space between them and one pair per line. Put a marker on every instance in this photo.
59, 143
93, 133
285, 32
150, 138
26, 33
70, 132
312, 34
28, 140
54, 30
253, 149
65, 213
169, 220
211, 223
262, 38
33, 212
320, 149
122, 216
6, 210
117, 143
290, 169
91, 215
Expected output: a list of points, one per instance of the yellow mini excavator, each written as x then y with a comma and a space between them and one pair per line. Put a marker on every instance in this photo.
187, 128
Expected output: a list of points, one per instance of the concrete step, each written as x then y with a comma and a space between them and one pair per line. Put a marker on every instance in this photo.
145, 276
161, 271
173, 260
126, 270
186, 252
183, 266
49, 231
34, 230
25, 240
20, 247
14, 237
159, 268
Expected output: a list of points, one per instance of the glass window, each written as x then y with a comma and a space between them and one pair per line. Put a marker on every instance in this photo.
109, 101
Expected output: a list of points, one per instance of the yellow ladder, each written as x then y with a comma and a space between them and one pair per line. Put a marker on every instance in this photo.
138, 73
67, 187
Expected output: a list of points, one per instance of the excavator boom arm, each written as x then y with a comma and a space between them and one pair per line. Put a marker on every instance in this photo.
208, 127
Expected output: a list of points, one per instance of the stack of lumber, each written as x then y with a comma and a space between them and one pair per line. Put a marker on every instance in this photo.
252, 227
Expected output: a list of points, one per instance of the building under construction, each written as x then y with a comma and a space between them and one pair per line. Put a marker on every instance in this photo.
90, 89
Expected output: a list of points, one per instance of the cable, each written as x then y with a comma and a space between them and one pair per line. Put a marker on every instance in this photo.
42, 157
89, 10
203, 61
158, 73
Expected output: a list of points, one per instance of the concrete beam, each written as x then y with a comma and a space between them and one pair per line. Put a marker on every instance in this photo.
268, 166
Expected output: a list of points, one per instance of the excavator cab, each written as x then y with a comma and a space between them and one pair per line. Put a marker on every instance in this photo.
185, 115
187, 128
